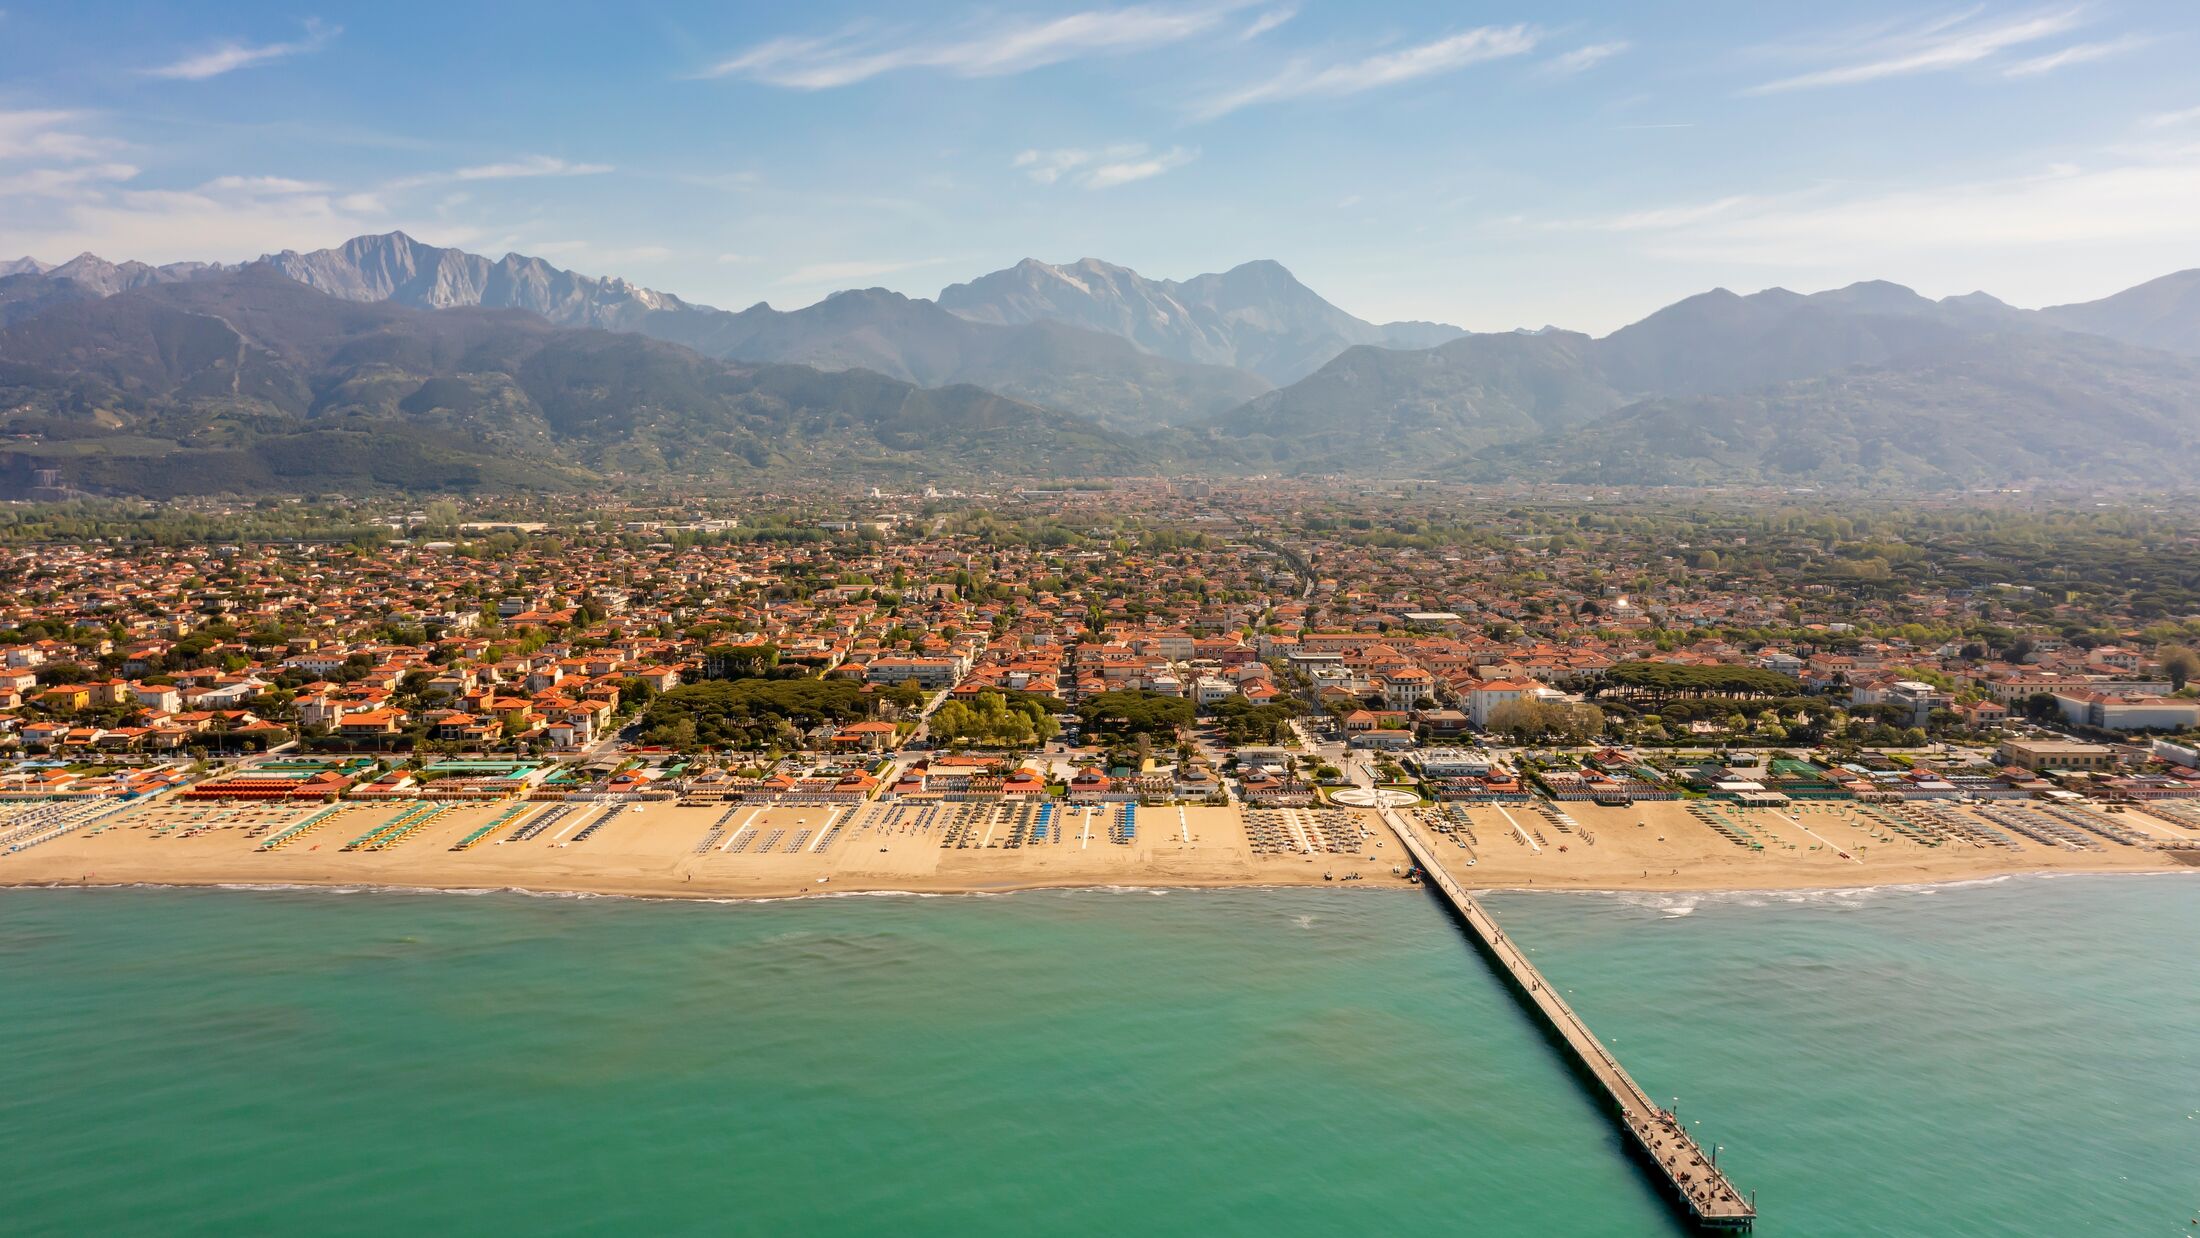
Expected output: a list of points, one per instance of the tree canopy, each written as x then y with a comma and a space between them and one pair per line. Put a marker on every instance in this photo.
1664, 679
1136, 713
749, 713
1015, 718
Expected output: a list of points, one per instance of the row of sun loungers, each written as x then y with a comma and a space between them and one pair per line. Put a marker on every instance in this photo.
966, 827
1451, 821
496, 823
1270, 834
534, 828
284, 838
1872, 817
1558, 817
2039, 828
2114, 831
1332, 830
1123, 824
407, 823
1958, 825
51, 820
2184, 815
1726, 828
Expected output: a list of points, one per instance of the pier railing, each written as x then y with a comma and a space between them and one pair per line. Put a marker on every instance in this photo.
1694, 1181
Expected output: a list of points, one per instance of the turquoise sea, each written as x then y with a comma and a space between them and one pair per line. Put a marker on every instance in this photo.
2012, 1058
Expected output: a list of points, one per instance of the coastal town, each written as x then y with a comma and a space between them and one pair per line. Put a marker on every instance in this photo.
1161, 683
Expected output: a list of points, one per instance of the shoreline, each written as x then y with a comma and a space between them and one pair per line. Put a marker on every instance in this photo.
788, 851
309, 886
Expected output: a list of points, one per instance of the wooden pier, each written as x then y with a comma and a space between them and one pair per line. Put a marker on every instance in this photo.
1693, 1181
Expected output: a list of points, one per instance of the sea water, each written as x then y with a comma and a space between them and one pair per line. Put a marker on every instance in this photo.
2016, 1058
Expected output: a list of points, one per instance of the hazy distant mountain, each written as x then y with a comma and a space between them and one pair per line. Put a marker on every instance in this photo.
395, 267
97, 275
1377, 410
386, 362
1254, 317
29, 287
248, 381
1993, 409
1718, 341
2162, 313
915, 341
1703, 389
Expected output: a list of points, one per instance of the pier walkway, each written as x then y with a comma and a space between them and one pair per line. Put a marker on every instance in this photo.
1694, 1182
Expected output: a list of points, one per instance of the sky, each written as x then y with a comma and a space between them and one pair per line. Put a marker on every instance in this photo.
1490, 165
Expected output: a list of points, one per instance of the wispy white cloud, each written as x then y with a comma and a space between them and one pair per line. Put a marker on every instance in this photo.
999, 48
2131, 198
604, 255
1137, 168
1667, 217
1582, 59
817, 273
261, 184
511, 169
1304, 79
226, 219
1104, 168
228, 57
1049, 166
2170, 120
67, 182
532, 165
49, 134
1953, 41
1269, 21
64, 189
2076, 53
738, 180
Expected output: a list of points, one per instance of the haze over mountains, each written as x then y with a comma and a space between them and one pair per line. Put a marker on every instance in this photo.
454, 369
1254, 317
247, 381
915, 341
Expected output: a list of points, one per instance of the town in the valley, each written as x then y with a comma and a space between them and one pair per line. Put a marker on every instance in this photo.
1138, 682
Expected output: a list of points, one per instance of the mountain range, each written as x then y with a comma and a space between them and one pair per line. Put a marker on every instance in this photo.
217, 371
1100, 375
1256, 317
246, 381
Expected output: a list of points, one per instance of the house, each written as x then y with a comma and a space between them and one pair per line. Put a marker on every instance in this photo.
2134, 712
2037, 754
868, 736
372, 724
1406, 687
924, 672
1484, 697
1979, 715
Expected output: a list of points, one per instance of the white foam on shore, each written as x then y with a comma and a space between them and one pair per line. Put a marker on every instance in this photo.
1673, 904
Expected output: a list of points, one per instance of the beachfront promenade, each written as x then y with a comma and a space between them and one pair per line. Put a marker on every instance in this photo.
1703, 1193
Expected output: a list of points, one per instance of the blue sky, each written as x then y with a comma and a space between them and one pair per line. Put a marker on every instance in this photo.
1494, 165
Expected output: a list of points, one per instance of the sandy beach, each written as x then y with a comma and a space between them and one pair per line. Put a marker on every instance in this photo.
715, 851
